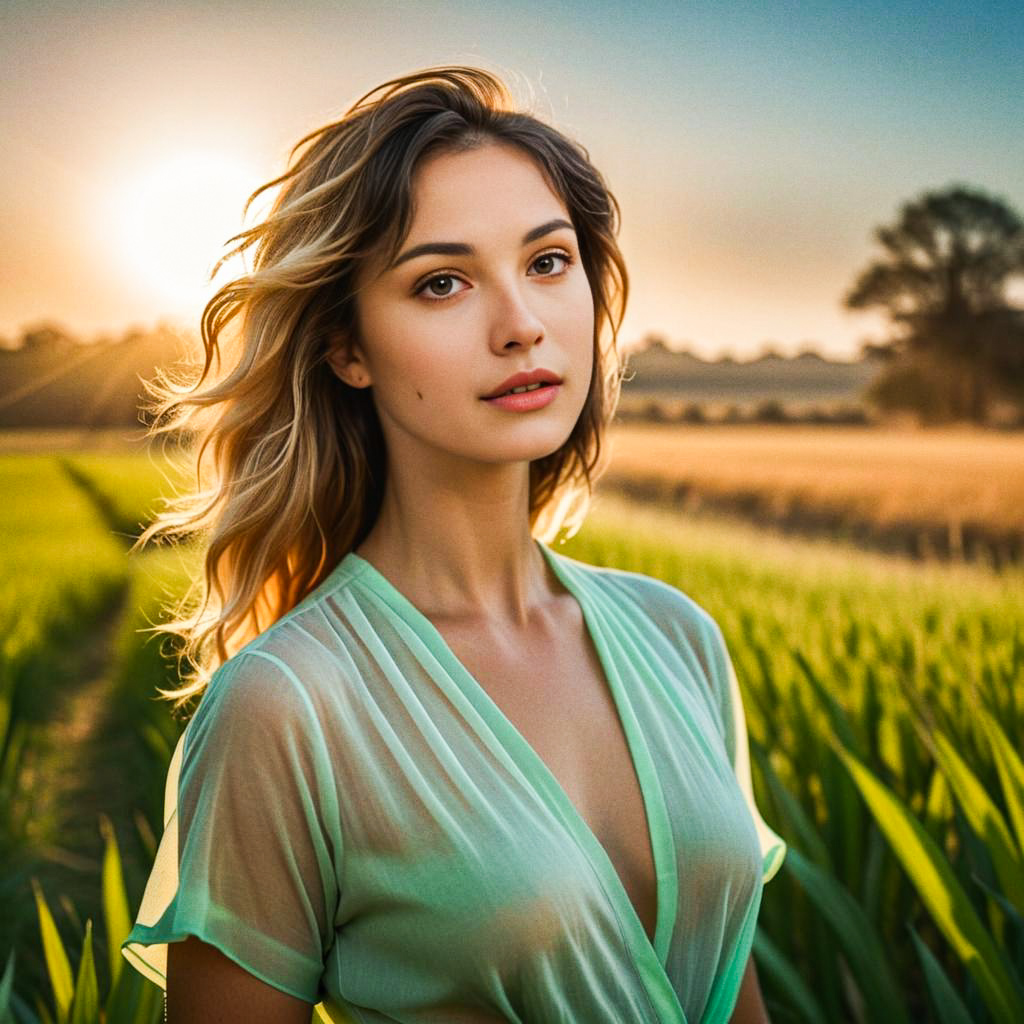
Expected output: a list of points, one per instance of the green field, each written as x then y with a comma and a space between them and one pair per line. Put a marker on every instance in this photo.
884, 703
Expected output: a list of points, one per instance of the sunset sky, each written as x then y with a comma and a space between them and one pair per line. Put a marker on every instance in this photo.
753, 147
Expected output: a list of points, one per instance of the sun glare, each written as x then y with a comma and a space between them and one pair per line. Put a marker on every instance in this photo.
172, 220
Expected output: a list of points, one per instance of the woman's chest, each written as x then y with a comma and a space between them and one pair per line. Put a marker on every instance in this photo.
490, 756
476, 778
557, 696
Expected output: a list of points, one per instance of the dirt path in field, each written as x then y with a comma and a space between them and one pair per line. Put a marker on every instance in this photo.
83, 771
72, 796
101, 749
64, 796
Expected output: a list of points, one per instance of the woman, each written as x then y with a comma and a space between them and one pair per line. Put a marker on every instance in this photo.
439, 772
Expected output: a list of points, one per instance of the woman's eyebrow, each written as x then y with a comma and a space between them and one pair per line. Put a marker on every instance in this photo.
462, 249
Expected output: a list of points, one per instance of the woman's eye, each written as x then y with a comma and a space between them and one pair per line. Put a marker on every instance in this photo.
553, 256
434, 280
444, 281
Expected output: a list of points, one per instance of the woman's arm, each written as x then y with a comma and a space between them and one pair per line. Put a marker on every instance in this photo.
750, 1008
205, 985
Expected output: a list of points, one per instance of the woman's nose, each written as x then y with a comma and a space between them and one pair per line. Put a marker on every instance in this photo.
514, 322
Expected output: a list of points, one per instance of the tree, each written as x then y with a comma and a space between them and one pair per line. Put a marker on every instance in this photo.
957, 343
49, 337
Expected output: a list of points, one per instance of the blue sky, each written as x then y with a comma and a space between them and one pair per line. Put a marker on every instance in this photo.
753, 147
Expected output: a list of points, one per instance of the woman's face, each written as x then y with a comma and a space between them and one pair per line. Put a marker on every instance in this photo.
440, 331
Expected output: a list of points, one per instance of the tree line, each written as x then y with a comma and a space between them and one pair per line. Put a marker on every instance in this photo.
953, 350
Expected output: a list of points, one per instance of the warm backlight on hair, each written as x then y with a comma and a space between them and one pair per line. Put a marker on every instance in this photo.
171, 220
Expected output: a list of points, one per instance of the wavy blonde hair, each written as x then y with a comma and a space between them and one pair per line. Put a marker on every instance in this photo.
288, 460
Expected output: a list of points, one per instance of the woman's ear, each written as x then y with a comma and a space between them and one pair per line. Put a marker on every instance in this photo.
346, 360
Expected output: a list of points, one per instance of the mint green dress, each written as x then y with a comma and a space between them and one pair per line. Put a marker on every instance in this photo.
352, 819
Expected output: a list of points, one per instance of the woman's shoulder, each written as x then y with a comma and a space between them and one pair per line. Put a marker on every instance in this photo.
297, 658
258, 683
310, 618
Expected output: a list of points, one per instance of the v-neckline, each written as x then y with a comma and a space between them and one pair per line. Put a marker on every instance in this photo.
655, 812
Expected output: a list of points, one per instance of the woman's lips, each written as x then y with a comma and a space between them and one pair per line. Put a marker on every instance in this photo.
526, 400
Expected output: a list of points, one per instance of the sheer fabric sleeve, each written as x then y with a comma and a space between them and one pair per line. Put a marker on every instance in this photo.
730, 703
248, 858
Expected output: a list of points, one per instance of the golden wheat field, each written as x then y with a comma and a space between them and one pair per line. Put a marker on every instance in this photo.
887, 475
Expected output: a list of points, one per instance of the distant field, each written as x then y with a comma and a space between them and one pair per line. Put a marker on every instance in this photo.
46, 440
952, 478
954, 490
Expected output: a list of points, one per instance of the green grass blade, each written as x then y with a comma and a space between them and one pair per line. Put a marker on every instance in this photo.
6, 983
786, 978
938, 805
1013, 915
115, 900
44, 1013
57, 964
949, 1007
984, 818
864, 949
150, 1007
1010, 768
21, 1012
85, 1008
941, 893
134, 1000
836, 715
799, 822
